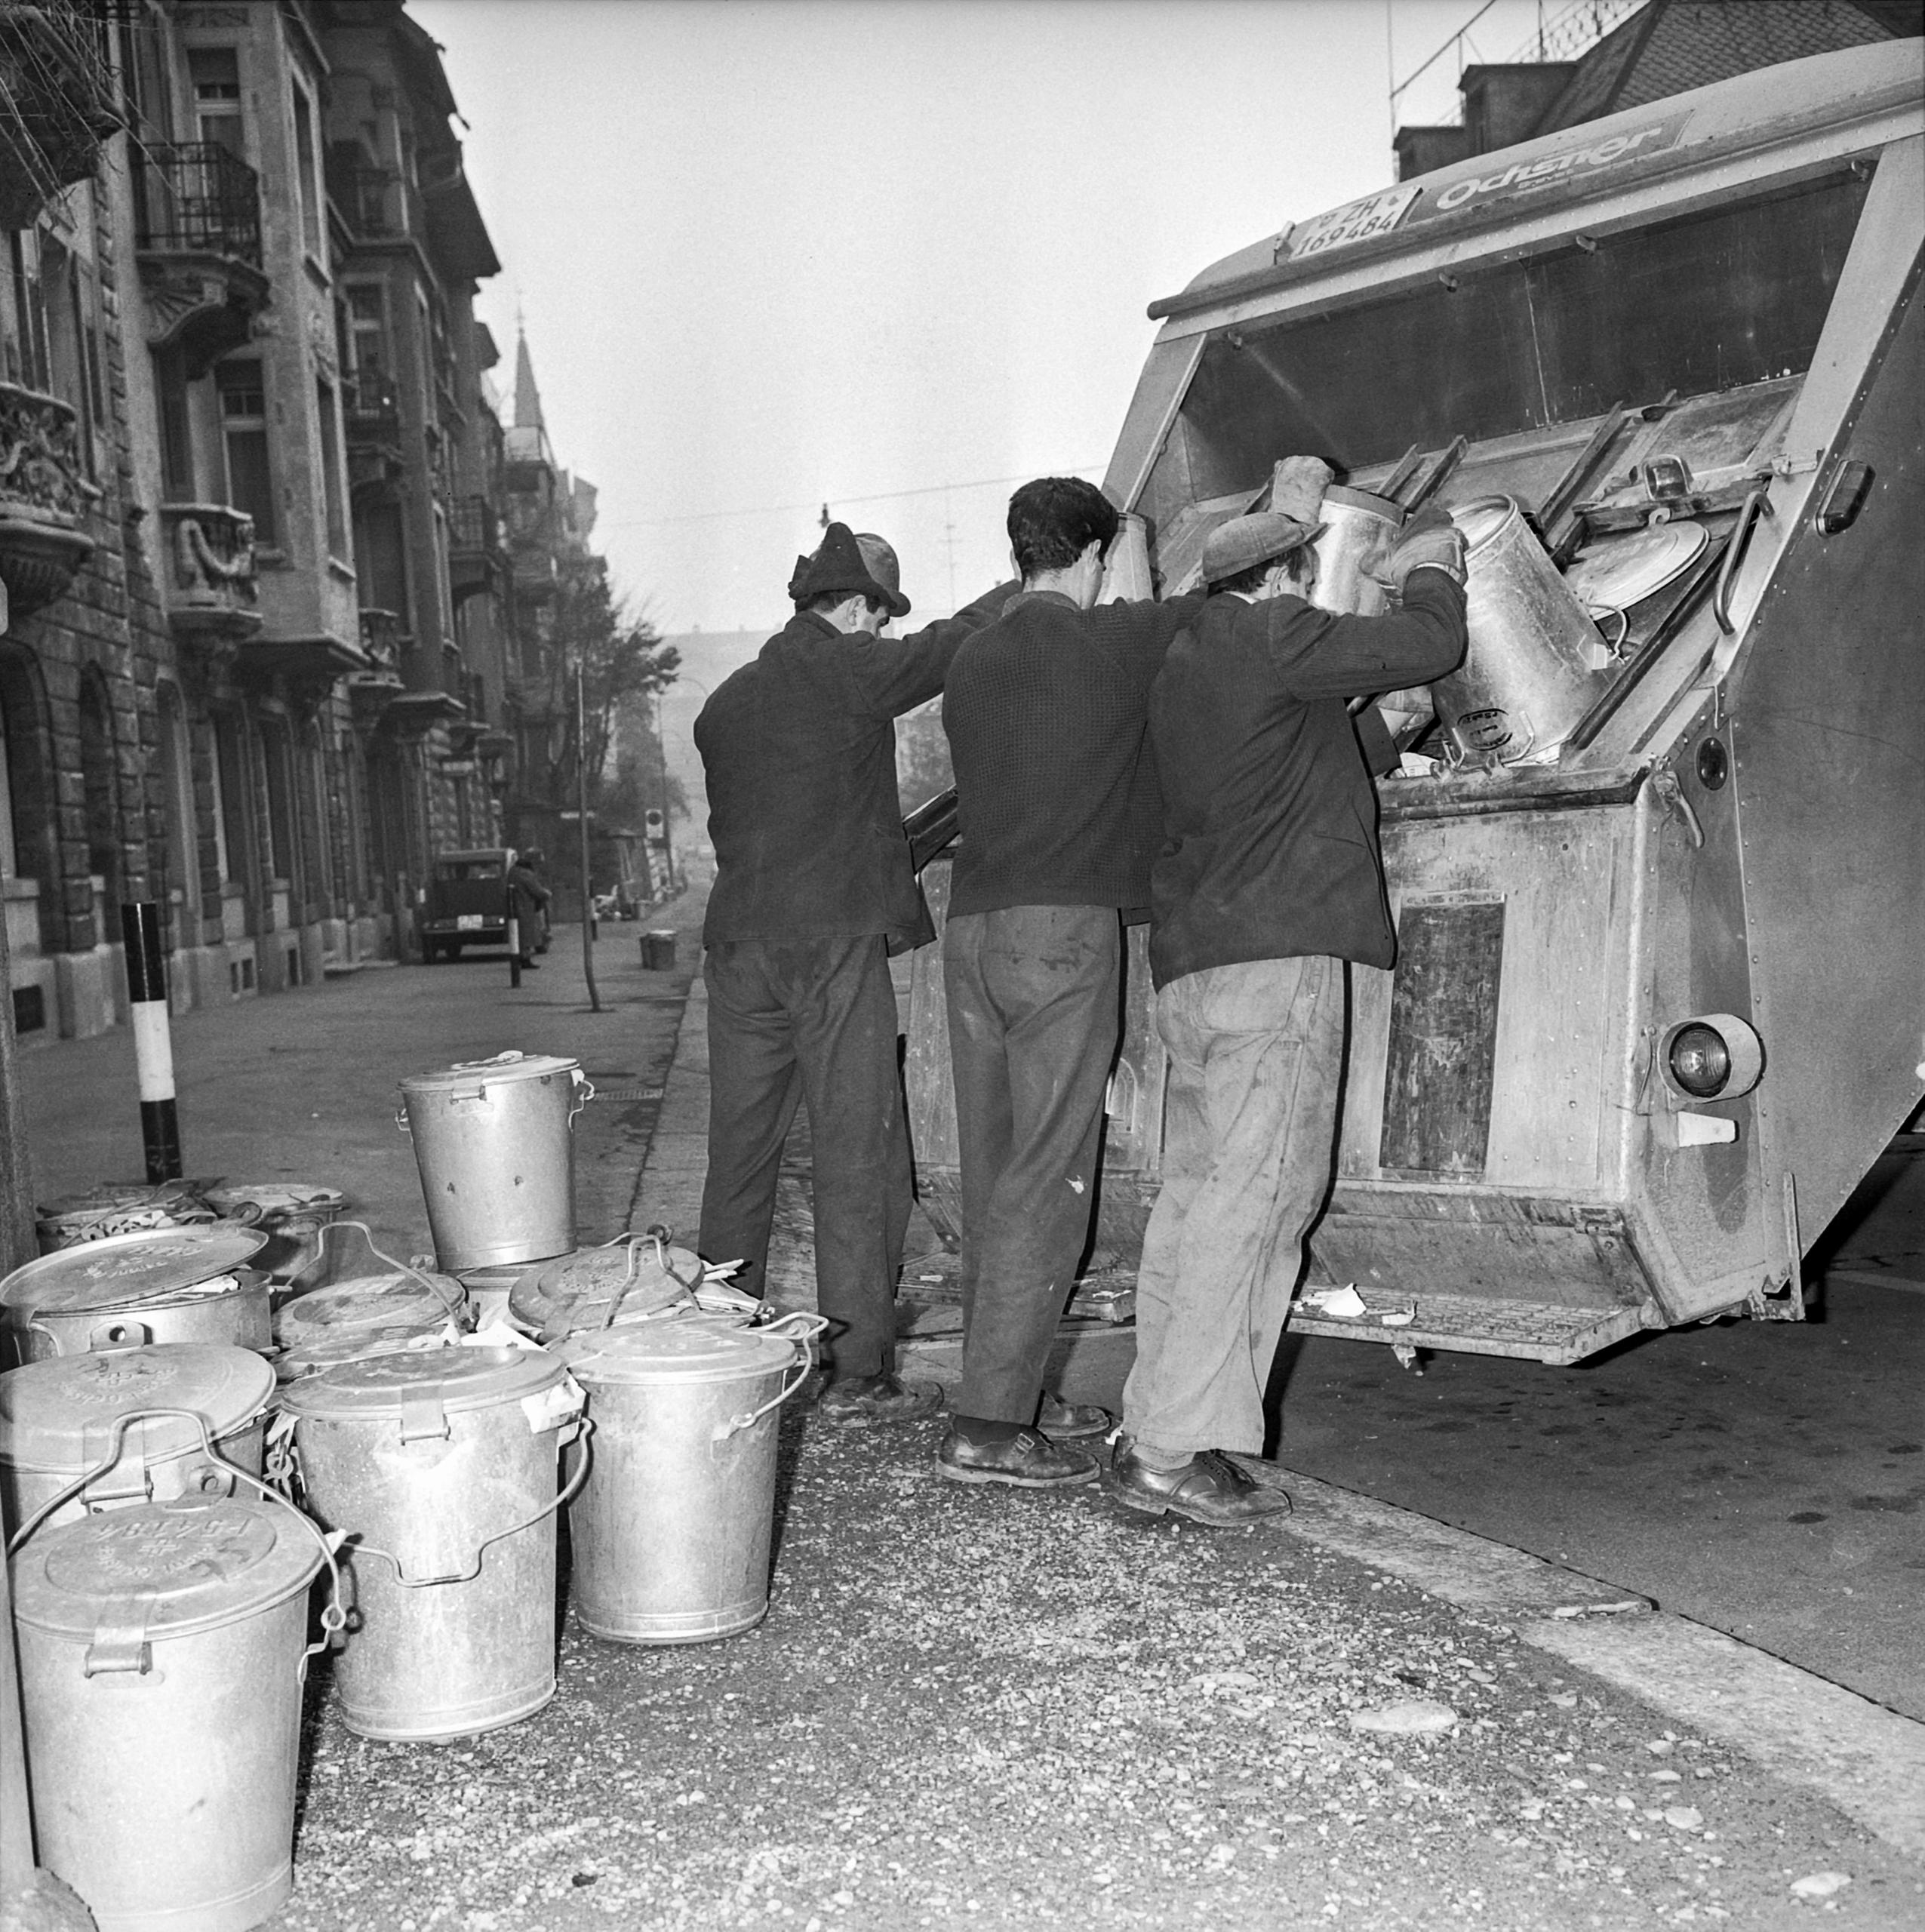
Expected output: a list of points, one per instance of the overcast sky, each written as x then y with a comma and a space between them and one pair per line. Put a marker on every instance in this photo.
775, 253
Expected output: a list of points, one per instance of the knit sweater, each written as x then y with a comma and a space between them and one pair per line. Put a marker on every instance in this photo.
799, 749
1056, 790
1270, 817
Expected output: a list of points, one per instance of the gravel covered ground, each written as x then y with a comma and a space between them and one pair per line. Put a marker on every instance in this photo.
971, 1707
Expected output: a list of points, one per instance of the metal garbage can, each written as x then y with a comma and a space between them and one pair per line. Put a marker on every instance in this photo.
164, 1284
670, 1534
161, 1651
494, 1141
57, 1419
658, 951
440, 1468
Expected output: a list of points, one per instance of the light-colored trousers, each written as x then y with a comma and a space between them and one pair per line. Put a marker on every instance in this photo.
1250, 1142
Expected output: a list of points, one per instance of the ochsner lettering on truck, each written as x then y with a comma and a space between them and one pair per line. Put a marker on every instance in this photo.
1407, 205
1552, 170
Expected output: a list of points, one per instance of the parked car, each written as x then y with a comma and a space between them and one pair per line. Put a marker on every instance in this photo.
467, 902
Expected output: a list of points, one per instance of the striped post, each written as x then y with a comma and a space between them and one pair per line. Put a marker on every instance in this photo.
153, 1044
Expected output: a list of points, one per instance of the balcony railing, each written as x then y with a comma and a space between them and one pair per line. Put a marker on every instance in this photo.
197, 198
473, 525
210, 578
368, 396
43, 496
375, 202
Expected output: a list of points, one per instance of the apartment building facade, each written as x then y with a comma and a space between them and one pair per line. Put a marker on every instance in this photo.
263, 632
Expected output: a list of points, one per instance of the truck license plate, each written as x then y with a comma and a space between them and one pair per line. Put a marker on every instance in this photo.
469, 922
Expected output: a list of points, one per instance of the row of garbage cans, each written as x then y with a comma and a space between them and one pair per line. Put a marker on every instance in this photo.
172, 1501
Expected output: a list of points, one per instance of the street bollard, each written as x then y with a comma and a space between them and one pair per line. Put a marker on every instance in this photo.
153, 1043
514, 944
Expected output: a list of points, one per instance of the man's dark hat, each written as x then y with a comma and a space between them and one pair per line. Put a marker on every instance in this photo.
840, 566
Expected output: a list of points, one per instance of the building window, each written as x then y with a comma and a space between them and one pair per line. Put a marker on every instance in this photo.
26, 316
216, 73
244, 438
306, 174
368, 327
176, 431
330, 469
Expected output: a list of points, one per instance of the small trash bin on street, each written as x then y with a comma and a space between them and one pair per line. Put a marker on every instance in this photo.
494, 1139
161, 1651
658, 951
670, 1534
57, 1418
441, 1469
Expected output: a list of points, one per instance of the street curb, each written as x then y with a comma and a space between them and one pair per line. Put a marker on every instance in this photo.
669, 1188
1867, 1760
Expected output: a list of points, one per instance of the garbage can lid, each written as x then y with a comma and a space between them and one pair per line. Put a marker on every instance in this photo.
466, 1076
456, 1378
58, 1414
125, 1269
366, 1301
276, 1198
119, 1579
685, 1348
573, 1291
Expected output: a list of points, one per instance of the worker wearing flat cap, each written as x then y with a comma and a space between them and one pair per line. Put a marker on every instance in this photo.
1267, 883
813, 888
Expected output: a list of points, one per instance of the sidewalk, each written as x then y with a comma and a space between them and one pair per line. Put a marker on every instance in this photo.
970, 1707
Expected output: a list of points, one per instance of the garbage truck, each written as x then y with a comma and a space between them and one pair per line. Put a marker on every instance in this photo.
1658, 868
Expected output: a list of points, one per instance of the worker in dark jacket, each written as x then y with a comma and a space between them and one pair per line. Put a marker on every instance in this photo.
1045, 711
813, 888
1268, 881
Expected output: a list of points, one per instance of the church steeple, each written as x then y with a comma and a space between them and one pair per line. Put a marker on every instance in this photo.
527, 397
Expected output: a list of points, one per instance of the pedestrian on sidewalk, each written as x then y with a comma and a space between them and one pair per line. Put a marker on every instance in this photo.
1045, 710
1269, 879
813, 890
530, 898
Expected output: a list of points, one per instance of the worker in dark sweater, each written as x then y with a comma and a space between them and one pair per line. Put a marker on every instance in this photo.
1268, 881
813, 888
1057, 807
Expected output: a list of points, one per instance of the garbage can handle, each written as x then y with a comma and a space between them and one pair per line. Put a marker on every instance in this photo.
1756, 503
567, 1494
427, 1281
810, 1326
334, 1617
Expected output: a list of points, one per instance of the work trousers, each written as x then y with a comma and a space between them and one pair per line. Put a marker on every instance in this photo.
814, 1020
1249, 1147
1034, 994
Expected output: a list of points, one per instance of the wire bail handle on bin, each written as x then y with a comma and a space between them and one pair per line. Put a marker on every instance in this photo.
121, 1642
451, 1303
423, 1419
585, 1086
661, 1234
801, 1327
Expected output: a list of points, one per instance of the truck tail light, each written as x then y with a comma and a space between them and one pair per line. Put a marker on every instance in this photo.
1711, 1057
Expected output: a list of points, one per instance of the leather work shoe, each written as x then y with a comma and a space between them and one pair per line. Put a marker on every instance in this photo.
1208, 1488
857, 1400
1064, 1422
1026, 1461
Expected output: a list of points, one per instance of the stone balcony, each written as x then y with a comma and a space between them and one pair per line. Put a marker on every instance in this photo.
43, 495
209, 575
199, 249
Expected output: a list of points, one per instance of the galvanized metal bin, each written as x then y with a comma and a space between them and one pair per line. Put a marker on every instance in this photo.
56, 1421
166, 1284
161, 1658
495, 1143
441, 1470
670, 1534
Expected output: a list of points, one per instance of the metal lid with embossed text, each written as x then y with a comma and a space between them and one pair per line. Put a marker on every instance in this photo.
173, 1569
126, 1270
57, 1415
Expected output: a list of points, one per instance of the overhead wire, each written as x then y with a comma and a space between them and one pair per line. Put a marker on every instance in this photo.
875, 497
